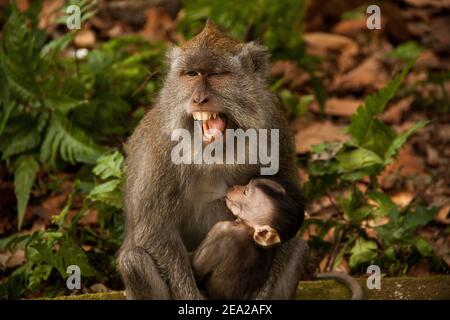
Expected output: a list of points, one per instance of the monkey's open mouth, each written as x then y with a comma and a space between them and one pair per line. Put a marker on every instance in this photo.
213, 124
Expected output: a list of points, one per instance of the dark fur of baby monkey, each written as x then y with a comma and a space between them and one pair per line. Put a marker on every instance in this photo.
169, 208
235, 258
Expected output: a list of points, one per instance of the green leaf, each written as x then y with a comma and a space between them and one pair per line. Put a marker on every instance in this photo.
109, 166
420, 217
363, 252
357, 159
51, 49
71, 143
72, 254
363, 121
385, 205
24, 176
5, 111
398, 142
107, 193
63, 104
407, 51
424, 248
25, 140
39, 274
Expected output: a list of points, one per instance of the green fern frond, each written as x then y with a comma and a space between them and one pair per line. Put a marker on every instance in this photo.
24, 140
24, 176
71, 143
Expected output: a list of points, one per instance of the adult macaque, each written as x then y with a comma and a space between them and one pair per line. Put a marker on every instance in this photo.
235, 258
170, 208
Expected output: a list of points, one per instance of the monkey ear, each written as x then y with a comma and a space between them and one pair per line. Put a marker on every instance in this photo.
254, 57
266, 236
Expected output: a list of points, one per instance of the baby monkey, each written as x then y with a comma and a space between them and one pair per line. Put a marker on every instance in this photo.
235, 258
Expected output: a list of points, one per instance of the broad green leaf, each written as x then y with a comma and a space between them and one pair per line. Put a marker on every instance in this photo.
364, 251
357, 159
24, 176
362, 122
407, 51
420, 217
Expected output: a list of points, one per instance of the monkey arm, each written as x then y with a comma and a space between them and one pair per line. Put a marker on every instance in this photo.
153, 212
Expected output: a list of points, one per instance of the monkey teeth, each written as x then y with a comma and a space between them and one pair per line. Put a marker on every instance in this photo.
204, 116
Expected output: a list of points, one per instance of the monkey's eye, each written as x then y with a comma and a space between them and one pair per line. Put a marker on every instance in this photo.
212, 74
245, 191
192, 73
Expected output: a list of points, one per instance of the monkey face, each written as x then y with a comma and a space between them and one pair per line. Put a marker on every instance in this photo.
253, 207
250, 204
218, 81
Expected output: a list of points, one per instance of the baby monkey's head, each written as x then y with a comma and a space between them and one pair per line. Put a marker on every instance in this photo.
272, 207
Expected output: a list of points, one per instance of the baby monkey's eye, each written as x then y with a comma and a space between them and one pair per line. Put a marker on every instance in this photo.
245, 191
192, 73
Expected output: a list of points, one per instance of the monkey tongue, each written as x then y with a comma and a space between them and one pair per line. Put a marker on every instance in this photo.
213, 128
217, 124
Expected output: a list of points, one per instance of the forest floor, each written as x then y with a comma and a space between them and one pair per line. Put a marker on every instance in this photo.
353, 62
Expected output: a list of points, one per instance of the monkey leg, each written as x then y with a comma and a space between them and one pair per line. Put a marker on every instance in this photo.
141, 277
288, 268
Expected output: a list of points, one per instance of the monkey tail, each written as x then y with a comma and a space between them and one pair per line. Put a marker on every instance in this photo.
346, 280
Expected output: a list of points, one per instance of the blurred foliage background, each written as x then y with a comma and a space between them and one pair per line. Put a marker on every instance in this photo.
369, 110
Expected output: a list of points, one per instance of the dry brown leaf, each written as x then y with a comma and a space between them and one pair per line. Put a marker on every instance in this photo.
321, 43
341, 107
23, 5
53, 205
89, 218
433, 158
428, 59
85, 39
293, 76
439, 37
402, 198
49, 14
10, 259
429, 3
316, 133
406, 164
158, 26
444, 214
369, 75
350, 27
394, 112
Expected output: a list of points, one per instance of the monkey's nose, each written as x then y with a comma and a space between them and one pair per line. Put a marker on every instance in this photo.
200, 100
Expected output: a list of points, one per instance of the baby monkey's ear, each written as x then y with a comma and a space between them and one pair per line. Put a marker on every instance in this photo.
266, 236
